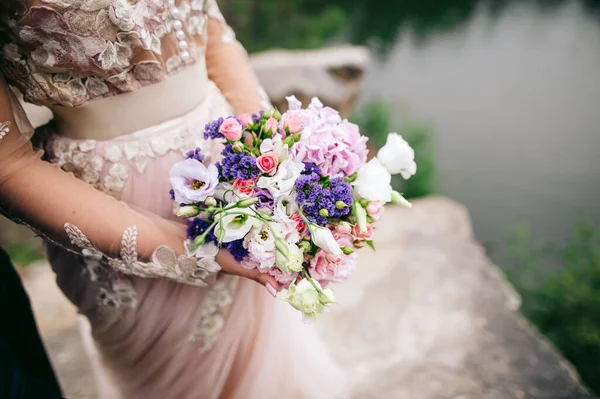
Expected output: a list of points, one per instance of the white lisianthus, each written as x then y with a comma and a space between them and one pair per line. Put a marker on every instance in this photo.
285, 207
276, 145
224, 192
282, 183
260, 243
304, 297
292, 262
236, 223
398, 156
323, 238
327, 297
373, 182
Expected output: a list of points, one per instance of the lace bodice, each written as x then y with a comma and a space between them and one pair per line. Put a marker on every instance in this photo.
69, 52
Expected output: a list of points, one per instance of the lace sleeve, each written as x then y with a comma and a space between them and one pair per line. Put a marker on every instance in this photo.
228, 65
75, 216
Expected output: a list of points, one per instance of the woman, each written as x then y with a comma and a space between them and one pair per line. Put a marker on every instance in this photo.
131, 85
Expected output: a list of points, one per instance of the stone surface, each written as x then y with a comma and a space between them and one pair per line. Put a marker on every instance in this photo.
427, 316
334, 74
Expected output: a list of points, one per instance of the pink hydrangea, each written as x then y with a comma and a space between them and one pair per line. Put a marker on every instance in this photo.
335, 145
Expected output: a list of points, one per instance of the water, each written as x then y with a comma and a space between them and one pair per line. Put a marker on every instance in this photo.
516, 106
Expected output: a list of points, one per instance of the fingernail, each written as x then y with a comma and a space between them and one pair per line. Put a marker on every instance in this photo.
271, 290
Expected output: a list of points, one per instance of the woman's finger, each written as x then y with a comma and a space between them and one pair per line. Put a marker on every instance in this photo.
230, 266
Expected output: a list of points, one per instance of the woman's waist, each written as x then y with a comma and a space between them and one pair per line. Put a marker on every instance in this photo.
149, 106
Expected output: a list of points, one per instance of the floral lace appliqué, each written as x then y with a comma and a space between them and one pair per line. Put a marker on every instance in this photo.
69, 52
214, 311
4, 129
165, 263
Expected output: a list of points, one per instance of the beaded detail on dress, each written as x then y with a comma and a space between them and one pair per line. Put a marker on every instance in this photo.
69, 52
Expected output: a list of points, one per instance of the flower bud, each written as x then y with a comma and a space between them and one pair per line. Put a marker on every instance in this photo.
323, 212
397, 198
305, 245
282, 247
210, 201
347, 250
351, 178
220, 233
361, 216
340, 205
268, 114
364, 202
359, 243
370, 219
344, 228
237, 147
188, 211
246, 202
277, 114
327, 297
198, 241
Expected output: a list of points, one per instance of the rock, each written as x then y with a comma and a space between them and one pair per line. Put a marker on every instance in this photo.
335, 75
427, 316
437, 319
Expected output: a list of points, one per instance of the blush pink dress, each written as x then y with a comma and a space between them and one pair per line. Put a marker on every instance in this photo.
99, 195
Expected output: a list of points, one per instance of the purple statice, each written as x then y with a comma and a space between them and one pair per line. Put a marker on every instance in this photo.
310, 167
172, 194
195, 154
265, 199
198, 227
211, 129
237, 165
315, 196
236, 248
257, 117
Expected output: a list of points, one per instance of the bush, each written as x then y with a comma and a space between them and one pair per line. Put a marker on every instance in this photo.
560, 286
375, 122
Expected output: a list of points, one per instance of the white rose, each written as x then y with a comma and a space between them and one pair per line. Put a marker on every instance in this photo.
237, 223
323, 239
292, 262
373, 182
283, 181
305, 298
398, 156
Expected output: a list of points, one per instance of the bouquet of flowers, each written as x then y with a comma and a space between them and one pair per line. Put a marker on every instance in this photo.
292, 196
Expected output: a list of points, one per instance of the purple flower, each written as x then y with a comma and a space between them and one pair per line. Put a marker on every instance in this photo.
318, 195
257, 117
236, 248
237, 165
265, 199
192, 182
211, 129
195, 154
172, 194
310, 167
198, 227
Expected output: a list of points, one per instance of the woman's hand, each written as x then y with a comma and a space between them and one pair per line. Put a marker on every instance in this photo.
230, 266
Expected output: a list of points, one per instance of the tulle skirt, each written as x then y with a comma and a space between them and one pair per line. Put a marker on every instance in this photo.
154, 338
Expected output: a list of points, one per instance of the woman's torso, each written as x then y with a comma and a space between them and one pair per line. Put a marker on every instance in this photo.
113, 66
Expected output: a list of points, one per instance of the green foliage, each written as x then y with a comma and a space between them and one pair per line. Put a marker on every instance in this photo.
24, 254
564, 303
375, 122
293, 24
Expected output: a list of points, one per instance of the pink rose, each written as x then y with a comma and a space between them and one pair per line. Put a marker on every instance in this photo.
300, 225
363, 236
294, 122
374, 209
344, 228
245, 119
267, 163
231, 129
244, 186
271, 126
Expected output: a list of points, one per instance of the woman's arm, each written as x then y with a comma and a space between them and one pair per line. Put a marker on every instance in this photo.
228, 66
82, 219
